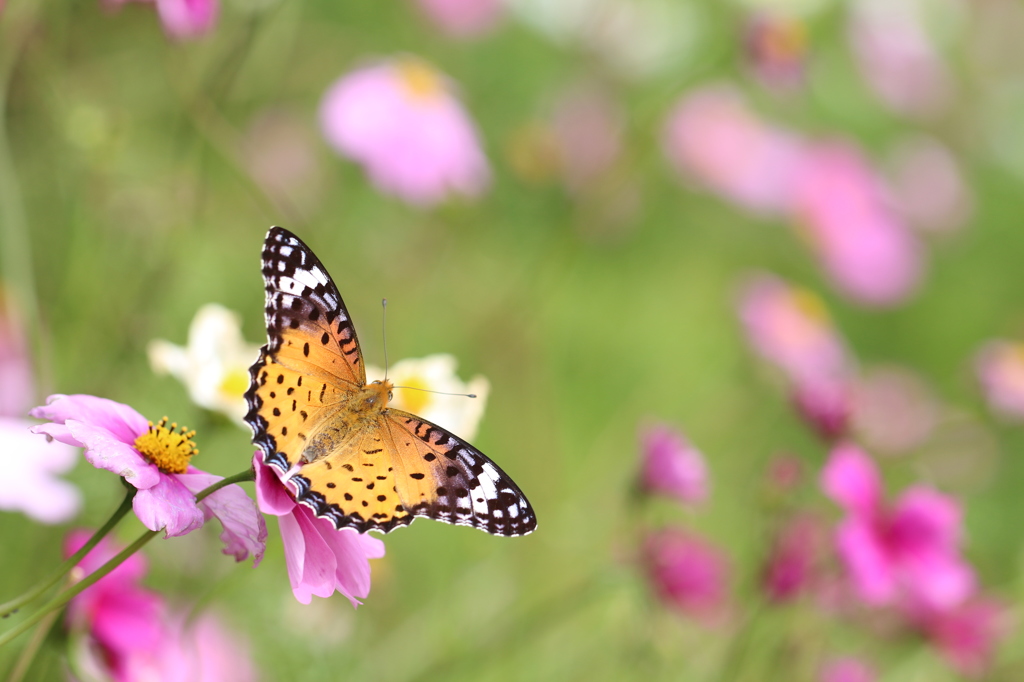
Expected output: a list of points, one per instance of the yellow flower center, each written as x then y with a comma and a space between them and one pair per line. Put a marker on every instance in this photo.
235, 383
420, 79
413, 401
169, 449
811, 306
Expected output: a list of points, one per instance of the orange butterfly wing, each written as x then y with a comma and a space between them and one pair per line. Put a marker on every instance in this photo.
312, 357
304, 408
405, 467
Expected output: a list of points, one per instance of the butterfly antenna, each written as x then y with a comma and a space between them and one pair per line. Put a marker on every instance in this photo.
427, 390
384, 332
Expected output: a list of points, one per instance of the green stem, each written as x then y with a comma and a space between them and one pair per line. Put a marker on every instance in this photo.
67, 595
10, 607
28, 655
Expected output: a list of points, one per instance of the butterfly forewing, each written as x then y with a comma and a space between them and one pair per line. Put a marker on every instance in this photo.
359, 468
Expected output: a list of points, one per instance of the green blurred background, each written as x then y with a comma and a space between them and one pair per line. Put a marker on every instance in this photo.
127, 204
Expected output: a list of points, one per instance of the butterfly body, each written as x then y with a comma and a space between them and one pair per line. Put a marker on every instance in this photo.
338, 446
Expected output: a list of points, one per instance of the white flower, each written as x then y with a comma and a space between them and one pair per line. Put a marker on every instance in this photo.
28, 474
458, 414
215, 364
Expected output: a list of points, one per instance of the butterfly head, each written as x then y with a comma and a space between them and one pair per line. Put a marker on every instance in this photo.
376, 395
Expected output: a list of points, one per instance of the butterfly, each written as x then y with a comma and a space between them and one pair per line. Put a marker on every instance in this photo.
340, 449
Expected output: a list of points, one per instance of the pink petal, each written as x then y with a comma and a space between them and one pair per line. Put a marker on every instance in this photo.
129, 620
124, 423
847, 670
851, 479
184, 19
28, 474
271, 494
310, 560
926, 519
104, 451
871, 570
937, 578
671, 465
351, 552
245, 531
170, 506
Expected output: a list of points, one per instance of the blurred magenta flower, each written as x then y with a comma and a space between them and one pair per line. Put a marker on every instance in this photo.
847, 669
894, 410
321, 559
17, 382
790, 328
714, 140
928, 187
118, 616
463, 18
400, 119
839, 203
689, 574
671, 465
182, 19
588, 126
907, 552
776, 49
794, 558
130, 636
999, 366
155, 460
897, 57
29, 468
967, 634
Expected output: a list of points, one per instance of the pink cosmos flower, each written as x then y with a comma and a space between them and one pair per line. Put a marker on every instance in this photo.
182, 19
120, 440
122, 618
17, 384
401, 121
999, 366
867, 251
713, 138
463, 18
588, 126
894, 410
131, 635
847, 670
672, 466
966, 635
320, 558
790, 328
928, 186
906, 552
794, 557
688, 573
29, 468
897, 57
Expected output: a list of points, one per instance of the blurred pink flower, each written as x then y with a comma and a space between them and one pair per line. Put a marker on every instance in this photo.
928, 187
672, 466
824, 404
894, 410
132, 635
688, 573
182, 19
776, 49
401, 121
794, 558
320, 558
714, 139
897, 57
785, 473
999, 366
120, 440
967, 634
122, 618
587, 125
847, 670
17, 383
906, 552
463, 18
790, 328
867, 251
28, 474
